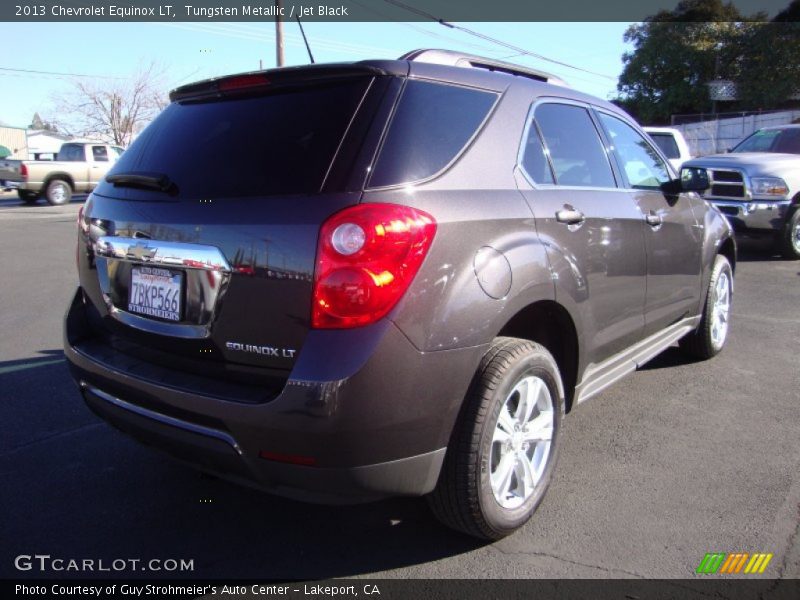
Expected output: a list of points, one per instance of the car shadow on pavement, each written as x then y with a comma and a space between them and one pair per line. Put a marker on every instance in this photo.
756, 250
80, 489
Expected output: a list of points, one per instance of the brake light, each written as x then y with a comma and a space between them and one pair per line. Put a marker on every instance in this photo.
23, 170
367, 256
242, 82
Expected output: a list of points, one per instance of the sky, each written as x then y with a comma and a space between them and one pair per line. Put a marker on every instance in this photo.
192, 51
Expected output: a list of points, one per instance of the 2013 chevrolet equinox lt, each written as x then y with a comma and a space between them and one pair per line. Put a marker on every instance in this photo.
350, 281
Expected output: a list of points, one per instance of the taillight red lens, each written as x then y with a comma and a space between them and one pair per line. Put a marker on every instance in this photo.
23, 170
367, 256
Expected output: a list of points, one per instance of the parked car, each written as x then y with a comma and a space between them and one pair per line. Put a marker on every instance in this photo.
757, 186
77, 168
401, 292
672, 144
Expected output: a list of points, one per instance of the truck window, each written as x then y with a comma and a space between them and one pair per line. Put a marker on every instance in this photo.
667, 143
761, 141
99, 153
72, 153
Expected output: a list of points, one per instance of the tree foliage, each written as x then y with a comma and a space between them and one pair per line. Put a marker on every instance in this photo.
112, 110
676, 53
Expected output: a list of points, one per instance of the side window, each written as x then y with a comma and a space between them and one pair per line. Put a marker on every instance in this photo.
534, 159
99, 153
642, 165
431, 126
575, 148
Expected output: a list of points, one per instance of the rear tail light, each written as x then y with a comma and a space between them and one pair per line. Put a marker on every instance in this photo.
23, 170
367, 256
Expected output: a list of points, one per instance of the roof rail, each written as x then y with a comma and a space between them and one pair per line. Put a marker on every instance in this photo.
459, 59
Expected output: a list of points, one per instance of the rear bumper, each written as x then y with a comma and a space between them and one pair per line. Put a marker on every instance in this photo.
363, 415
5, 184
759, 216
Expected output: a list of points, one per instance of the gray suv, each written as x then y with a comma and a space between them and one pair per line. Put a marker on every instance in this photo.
344, 282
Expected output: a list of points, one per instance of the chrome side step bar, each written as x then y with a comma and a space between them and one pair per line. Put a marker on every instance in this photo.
598, 377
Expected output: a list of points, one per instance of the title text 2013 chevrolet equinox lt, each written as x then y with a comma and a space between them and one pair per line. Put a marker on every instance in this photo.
350, 281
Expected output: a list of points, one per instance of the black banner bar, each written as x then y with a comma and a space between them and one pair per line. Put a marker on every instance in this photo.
351, 10
731, 588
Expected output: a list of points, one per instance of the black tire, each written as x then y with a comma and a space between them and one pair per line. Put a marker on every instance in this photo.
789, 237
58, 192
463, 498
28, 197
702, 342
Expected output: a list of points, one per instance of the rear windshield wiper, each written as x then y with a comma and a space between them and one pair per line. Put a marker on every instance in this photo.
150, 181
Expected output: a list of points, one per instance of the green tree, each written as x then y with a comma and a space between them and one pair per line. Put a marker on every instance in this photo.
676, 53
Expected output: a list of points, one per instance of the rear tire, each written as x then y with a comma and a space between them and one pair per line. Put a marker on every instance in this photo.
711, 334
28, 197
58, 192
498, 466
789, 237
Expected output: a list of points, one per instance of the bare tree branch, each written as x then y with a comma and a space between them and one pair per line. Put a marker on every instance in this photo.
112, 110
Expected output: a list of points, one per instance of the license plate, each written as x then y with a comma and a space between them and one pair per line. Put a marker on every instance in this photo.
156, 292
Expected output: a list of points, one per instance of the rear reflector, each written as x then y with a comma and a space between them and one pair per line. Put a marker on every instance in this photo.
292, 459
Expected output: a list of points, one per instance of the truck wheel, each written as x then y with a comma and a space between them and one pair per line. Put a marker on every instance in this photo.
27, 196
58, 192
712, 332
789, 240
505, 444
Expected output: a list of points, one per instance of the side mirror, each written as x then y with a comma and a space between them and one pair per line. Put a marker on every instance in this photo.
694, 179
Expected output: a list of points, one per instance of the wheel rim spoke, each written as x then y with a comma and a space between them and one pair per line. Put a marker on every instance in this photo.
521, 442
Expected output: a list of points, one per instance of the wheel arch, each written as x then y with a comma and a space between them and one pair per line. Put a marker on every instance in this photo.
548, 323
58, 175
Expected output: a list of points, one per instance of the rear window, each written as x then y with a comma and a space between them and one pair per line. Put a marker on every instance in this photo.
280, 143
667, 143
431, 125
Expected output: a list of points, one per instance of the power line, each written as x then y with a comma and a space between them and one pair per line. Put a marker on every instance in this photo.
34, 71
427, 15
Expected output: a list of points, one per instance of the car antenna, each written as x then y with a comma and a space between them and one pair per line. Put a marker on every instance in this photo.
311, 56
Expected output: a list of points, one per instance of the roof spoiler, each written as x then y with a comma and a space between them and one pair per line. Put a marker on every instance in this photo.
471, 61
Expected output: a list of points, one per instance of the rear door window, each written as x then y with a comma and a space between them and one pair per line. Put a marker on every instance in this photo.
99, 153
576, 150
278, 143
431, 126
72, 153
534, 159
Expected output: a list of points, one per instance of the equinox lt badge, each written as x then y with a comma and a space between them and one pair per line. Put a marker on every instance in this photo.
263, 350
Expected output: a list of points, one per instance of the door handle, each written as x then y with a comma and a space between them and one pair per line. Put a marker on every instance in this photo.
653, 219
570, 216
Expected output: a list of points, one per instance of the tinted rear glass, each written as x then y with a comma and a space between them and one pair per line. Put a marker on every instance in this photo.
72, 153
280, 143
667, 143
432, 124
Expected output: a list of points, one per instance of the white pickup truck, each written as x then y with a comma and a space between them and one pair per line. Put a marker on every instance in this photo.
757, 186
672, 144
78, 167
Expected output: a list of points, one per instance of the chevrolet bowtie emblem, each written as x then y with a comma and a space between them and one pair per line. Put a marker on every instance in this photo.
141, 251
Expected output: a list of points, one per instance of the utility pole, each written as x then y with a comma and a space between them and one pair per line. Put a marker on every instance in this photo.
278, 33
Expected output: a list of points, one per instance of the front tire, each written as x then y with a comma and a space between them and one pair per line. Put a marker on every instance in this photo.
505, 444
789, 238
58, 192
711, 334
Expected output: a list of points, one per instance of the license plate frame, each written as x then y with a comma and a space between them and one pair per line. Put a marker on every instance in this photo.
157, 293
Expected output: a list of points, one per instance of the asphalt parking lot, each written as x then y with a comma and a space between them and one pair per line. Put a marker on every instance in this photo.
677, 460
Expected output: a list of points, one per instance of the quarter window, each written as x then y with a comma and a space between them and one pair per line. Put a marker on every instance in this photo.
642, 165
575, 148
